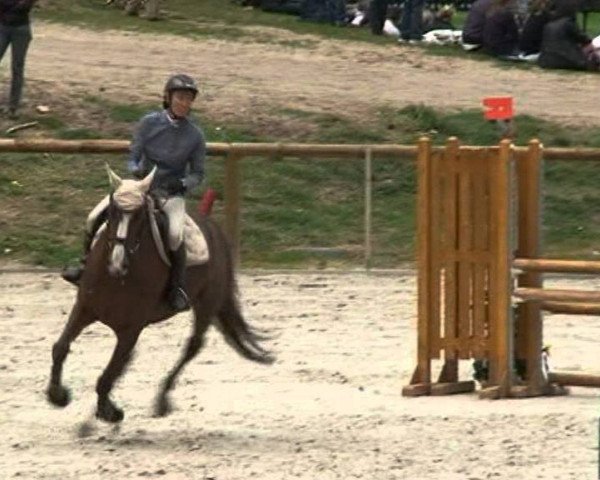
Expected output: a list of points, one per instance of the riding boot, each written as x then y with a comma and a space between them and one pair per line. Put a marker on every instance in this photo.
178, 297
73, 274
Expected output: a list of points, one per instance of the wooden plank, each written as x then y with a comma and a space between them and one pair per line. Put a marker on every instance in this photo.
557, 295
465, 246
405, 152
500, 237
452, 388
481, 215
416, 390
423, 371
571, 308
450, 232
529, 326
574, 379
473, 256
436, 295
526, 391
449, 372
557, 266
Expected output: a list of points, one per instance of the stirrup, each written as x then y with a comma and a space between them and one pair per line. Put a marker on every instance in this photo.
179, 299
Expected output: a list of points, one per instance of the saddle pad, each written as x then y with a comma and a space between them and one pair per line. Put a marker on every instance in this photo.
195, 244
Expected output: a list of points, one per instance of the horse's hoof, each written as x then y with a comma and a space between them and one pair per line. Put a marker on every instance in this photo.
58, 395
162, 407
109, 413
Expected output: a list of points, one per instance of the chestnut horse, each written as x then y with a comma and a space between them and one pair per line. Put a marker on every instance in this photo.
124, 286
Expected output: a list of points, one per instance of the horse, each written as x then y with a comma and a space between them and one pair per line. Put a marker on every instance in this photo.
124, 286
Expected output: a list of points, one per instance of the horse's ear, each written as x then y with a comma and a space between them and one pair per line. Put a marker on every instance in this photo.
147, 180
114, 180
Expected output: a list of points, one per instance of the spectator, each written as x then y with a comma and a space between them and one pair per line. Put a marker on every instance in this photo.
438, 20
564, 45
500, 32
473, 29
15, 31
377, 14
411, 26
533, 29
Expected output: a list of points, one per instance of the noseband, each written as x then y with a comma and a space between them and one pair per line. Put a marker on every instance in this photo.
117, 245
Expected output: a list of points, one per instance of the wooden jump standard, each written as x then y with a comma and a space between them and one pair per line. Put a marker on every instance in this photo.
476, 206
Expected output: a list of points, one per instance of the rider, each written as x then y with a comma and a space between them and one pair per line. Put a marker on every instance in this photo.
168, 140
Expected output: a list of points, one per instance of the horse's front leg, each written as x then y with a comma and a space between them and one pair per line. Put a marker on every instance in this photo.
79, 318
126, 340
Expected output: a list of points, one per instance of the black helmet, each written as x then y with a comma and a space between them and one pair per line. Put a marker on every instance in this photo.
180, 81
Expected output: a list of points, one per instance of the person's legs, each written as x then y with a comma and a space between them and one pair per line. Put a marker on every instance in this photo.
377, 13
407, 10
174, 208
411, 25
415, 31
20, 44
4, 40
5, 36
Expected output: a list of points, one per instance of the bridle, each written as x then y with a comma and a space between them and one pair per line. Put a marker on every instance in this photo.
120, 250
126, 202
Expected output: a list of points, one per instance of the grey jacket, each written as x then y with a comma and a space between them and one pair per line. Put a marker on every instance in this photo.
176, 147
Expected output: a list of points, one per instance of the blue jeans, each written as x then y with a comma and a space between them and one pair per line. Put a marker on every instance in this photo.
18, 37
412, 19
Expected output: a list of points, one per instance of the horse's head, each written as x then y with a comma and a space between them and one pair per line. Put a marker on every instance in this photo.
126, 219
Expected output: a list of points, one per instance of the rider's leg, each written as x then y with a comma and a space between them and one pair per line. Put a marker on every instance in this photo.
92, 224
174, 208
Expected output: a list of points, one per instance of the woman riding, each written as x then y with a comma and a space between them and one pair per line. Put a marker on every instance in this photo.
168, 140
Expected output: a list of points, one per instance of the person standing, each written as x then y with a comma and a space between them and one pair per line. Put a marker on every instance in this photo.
377, 13
15, 30
411, 25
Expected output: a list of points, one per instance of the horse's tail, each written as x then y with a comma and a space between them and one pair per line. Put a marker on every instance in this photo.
229, 320
241, 336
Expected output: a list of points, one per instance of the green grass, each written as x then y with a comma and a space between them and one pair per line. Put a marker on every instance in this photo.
298, 212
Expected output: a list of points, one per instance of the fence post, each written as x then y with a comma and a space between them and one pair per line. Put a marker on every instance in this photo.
368, 206
233, 201
420, 383
529, 315
501, 328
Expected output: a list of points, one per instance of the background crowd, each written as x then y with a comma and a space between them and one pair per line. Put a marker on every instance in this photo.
542, 31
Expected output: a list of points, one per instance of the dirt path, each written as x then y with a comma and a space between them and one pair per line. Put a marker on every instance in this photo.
329, 408
253, 80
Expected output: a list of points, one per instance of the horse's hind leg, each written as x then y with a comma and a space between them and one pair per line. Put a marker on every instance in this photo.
79, 318
126, 340
194, 344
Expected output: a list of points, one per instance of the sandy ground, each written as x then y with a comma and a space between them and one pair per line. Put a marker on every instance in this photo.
329, 408
256, 80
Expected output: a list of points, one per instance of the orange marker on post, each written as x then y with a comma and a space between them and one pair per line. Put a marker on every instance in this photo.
500, 110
